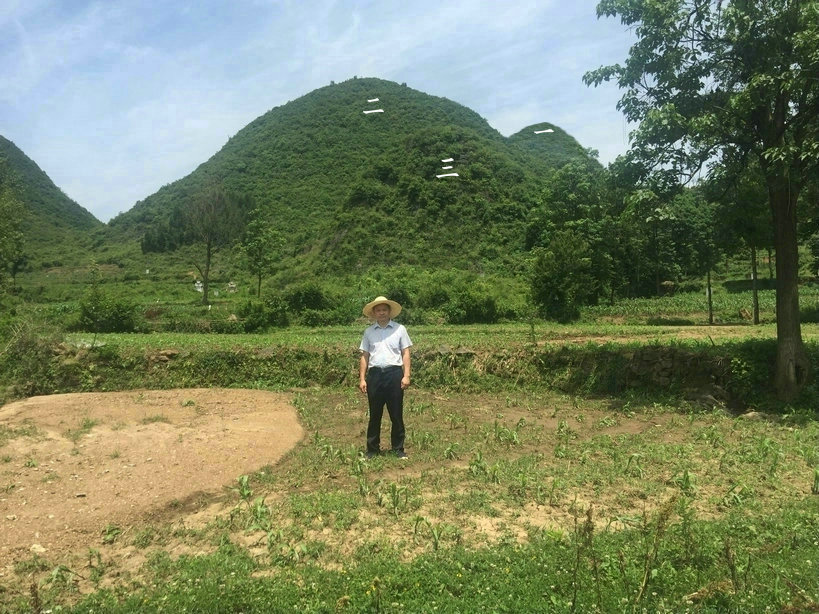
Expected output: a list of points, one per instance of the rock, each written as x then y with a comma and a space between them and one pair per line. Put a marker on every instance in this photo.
37, 549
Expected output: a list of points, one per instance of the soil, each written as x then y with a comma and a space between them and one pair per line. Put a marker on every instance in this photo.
76, 466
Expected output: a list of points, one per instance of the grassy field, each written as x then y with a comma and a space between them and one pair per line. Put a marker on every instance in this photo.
517, 497
476, 337
518, 500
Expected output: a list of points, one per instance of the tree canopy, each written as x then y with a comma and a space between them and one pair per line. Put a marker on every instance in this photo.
711, 84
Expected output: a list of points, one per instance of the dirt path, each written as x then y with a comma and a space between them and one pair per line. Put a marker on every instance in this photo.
77, 465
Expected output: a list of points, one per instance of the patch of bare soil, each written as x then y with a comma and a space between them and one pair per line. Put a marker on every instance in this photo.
78, 465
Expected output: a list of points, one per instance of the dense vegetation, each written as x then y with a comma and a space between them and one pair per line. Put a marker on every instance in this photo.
540, 479
54, 227
333, 205
622, 429
352, 190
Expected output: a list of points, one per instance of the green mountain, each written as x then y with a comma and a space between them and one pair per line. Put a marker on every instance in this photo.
352, 188
550, 145
53, 225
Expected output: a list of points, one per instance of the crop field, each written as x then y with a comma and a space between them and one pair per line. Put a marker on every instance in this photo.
517, 498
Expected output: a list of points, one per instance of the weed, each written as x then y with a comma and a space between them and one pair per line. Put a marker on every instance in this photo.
684, 481
110, 534
243, 490
156, 418
50, 476
144, 537
654, 537
478, 466
26, 429
398, 497
84, 428
451, 451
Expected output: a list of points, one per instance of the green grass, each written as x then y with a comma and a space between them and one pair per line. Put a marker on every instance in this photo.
552, 503
156, 418
517, 497
83, 429
8, 433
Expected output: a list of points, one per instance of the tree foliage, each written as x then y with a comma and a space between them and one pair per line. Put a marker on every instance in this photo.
52, 226
214, 220
562, 279
349, 190
11, 218
712, 83
261, 247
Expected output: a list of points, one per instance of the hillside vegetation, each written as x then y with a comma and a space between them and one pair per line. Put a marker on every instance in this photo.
54, 226
349, 188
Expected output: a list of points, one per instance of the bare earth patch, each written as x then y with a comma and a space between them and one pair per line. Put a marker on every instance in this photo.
78, 465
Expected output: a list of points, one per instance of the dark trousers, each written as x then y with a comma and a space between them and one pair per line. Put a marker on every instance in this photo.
384, 388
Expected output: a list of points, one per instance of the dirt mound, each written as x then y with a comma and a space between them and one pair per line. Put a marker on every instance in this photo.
75, 466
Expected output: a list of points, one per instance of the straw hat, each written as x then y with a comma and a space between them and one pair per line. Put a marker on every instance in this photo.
395, 308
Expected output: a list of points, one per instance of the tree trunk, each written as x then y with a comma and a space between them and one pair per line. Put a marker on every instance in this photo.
754, 288
259, 287
770, 264
206, 272
710, 302
792, 366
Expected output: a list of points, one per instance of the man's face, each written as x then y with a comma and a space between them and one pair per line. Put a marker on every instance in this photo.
382, 313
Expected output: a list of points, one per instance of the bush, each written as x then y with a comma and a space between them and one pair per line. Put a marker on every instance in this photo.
323, 317
471, 306
101, 313
433, 296
306, 296
561, 278
259, 316
27, 359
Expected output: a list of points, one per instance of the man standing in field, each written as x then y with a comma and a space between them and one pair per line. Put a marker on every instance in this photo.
384, 373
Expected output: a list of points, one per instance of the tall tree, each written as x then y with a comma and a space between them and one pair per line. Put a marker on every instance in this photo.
261, 247
741, 199
561, 278
709, 82
214, 220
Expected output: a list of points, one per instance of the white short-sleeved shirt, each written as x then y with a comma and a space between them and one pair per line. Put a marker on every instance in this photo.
385, 345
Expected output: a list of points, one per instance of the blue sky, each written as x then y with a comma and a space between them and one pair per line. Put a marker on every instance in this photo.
114, 99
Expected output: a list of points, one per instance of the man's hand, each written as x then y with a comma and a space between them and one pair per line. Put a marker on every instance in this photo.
362, 385
405, 382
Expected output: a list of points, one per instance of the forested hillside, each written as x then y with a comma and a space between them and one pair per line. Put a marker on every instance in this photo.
350, 188
53, 225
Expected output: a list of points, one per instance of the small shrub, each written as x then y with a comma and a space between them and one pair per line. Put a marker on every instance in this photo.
472, 306
259, 316
101, 313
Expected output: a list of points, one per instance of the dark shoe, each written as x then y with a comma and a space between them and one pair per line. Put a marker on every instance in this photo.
401, 454
371, 454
